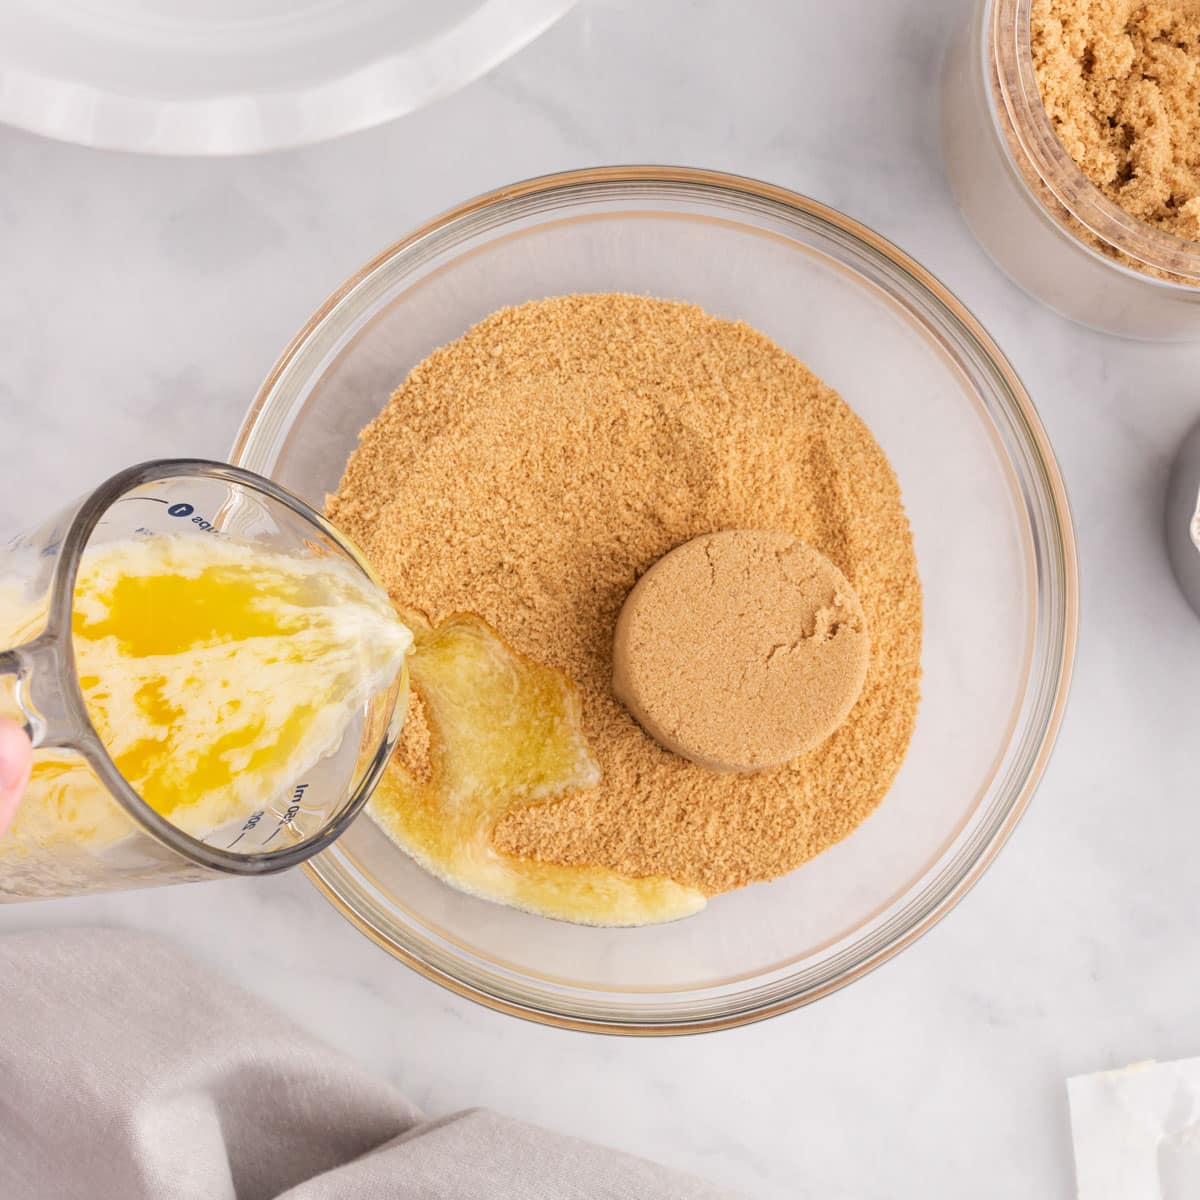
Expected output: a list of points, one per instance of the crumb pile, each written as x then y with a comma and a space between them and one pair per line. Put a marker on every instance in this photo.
1121, 83
530, 472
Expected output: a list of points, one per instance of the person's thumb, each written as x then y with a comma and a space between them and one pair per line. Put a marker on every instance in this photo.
16, 761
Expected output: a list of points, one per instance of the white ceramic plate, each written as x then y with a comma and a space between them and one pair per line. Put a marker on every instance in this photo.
243, 76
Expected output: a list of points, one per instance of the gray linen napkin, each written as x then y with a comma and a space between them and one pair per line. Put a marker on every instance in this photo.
129, 1072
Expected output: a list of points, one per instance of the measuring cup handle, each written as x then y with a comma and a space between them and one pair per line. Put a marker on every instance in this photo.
10, 704
31, 693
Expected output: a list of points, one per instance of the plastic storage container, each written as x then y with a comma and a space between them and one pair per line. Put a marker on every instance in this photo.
1035, 212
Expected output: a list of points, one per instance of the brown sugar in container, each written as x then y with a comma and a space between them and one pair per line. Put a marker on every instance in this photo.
1035, 211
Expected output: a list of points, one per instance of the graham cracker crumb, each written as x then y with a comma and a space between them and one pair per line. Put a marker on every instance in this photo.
533, 469
413, 745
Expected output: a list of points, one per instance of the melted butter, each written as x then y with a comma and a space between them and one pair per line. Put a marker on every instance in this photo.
215, 675
504, 731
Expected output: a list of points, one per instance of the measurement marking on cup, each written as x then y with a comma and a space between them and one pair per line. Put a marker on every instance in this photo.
180, 509
292, 809
253, 820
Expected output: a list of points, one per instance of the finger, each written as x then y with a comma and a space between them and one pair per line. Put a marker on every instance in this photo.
16, 761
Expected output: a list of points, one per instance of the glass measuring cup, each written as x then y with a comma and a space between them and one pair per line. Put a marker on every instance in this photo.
121, 841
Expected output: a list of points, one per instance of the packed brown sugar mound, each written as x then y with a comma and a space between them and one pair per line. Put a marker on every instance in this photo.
532, 470
741, 650
1121, 83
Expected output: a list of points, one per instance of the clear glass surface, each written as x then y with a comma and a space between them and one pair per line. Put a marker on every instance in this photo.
993, 539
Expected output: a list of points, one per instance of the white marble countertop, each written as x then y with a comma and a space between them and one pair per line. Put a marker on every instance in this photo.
143, 300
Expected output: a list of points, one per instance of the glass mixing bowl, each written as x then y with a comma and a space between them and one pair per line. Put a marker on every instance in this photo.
994, 545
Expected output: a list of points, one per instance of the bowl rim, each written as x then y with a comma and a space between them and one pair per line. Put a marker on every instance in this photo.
1060, 667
